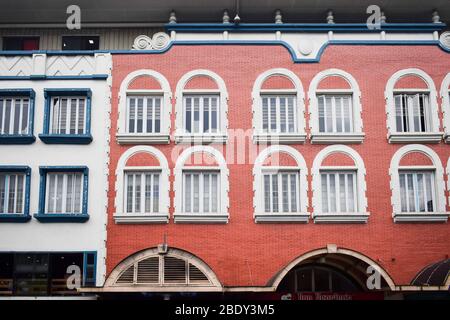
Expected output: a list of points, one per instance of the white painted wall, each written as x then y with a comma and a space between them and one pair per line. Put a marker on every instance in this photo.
88, 236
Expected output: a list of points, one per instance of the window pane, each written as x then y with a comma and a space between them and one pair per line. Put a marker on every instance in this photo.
214, 192
12, 193
332, 191
267, 193
131, 114
412, 112
329, 114
347, 106
429, 178
265, 114
140, 115
187, 193
156, 193
188, 114
275, 193
157, 127
206, 114
421, 192
3, 178
206, 191
149, 119
273, 114
398, 112
17, 115
129, 195
294, 179
342, 194
404, 204
285, 192
321, 106
148, 192
196, 206
196, 115
137, 193
351, 185
324, 188
70, 191
291, 114
7, 119
283, 111
411, 200
339, 114
214, 115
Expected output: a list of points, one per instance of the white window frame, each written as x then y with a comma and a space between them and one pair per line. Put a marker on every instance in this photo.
68, 114
4, 210
145, 110
65, 174
201, 108
12, 115
259, 215
222, 215
337, 172
357, 135
361, 214
120, 215
141, 174
163, 137
445, 95
440, 215
433, 135
259, 136
201, 172
181, 135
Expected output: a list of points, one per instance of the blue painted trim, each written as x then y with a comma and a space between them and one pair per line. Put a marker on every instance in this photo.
86, 264
66, 138
42, 216
50, 138
26, 210
301, 27
59, 218
287, 46
20, 138
83, 77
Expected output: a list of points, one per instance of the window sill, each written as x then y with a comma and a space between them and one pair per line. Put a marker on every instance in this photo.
341, 138
344, 217
288, 217
63, 217
415, 137
128, 138
279, 138
66, 138
421, 217
125, 218
17, 218
17, 139
201, 138
202, 218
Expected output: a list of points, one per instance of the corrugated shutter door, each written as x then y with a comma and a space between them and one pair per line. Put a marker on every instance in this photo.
148, 270
174, 270
127, 276
196, 276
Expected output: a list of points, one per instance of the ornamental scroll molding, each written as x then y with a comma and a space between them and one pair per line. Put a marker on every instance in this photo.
159, 41
445, 39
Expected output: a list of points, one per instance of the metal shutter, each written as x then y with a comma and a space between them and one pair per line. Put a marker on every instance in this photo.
148, 270
174, 270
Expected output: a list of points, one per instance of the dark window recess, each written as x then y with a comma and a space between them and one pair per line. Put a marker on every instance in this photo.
42, 274
80, 43
20, 43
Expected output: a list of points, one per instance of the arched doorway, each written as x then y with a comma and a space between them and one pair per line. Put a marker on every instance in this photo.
337, 271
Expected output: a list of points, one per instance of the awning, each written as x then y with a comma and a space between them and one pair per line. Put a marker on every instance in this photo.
435, 274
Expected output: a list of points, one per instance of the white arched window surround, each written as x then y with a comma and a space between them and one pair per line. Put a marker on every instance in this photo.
361, 215
120, 216
357, 136
445, 95
440, 215
433, 135
180, 134
258, 135
184, 217
162, 137
258, 197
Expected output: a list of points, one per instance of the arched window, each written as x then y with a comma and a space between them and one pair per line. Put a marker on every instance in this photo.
335, 108
142, 186
280, 186
163, 269
144, 108
417, 184
411, 107
201, 186
278, 107
445, 94
339, 186
201, 108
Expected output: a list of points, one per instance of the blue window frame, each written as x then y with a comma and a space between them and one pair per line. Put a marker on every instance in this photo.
15, 193
63, 194
16, 116
67, 117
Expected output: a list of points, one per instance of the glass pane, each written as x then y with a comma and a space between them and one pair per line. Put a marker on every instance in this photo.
329, 114
77, 207
283, 120
267, 193
2, 193
51, 193
347, 106
411, 200
291, 114
59, 192
285, 191
196, 205
12, 193
73, 116
157, 115
214, 193
140, 115
342, 194
131, 114
149, 118
294, 178
206, 114
321, 106
156, 193
206, 191
421, 193
148, 192
398, 113
324, 189
265, 114
187, 192
17, 110
69, 193
214, 115
188, 114
429, 178
137, 193
81, 116
403, 201
129, 179
339, 114
351, 185
275, 193
273, 114
25, 111
196, 115
7, 120
332, 191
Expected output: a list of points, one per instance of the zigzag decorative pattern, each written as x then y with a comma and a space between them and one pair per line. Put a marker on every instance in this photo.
16, 66
70, 65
